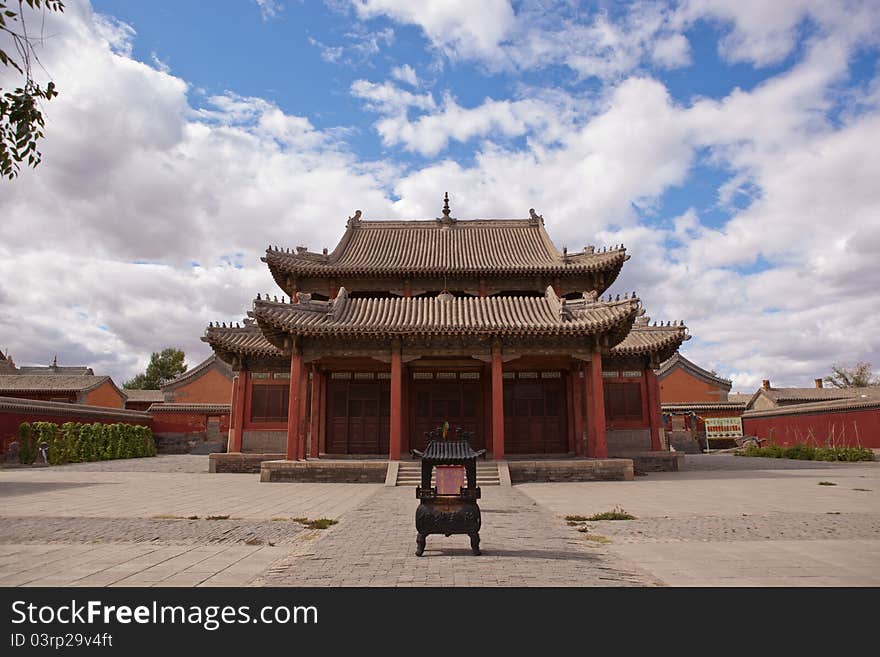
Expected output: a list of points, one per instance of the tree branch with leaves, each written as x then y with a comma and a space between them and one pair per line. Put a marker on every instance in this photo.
21, 119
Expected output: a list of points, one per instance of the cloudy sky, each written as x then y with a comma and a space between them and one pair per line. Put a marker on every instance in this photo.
731, 146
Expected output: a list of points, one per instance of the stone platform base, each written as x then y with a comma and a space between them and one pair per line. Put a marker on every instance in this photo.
644, 462
571, 470
350, 472
240, 462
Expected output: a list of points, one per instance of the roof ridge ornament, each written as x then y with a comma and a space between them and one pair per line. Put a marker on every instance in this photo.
447, 213
535, 218
354, 219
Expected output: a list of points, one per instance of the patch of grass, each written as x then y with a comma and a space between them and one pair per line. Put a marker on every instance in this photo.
596, 538
192, 517
302, 521
280, 519
827, 483
217, 517
321, 523
166, 516
866, 490
615, 514
254, 541
576, 519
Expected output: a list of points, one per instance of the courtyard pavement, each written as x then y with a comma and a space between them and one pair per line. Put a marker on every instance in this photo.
724, 521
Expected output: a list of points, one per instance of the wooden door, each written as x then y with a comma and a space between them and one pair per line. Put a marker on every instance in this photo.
534, 416
358, 417
457, 401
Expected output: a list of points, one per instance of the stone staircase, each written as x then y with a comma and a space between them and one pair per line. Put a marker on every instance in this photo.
409, 473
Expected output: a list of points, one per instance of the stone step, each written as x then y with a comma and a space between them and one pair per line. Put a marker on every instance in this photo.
409, 473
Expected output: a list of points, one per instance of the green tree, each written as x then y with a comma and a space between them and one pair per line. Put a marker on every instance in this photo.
21, 121
164, 365
860, 375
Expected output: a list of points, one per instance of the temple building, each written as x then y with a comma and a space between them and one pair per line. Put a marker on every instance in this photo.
484, 324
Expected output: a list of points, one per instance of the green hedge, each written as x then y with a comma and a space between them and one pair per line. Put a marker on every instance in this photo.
74, 442
811, 453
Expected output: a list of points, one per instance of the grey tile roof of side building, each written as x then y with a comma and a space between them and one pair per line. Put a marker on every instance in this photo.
828, 406
677, 360
198, 370
144, 395
816, 394
51, 382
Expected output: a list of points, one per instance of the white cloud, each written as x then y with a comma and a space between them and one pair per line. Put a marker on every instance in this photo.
466, 28
133, 172
405, 73
269, 9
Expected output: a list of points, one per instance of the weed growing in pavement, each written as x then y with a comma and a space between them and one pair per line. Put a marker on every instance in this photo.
615, 514
217, 517
827, 483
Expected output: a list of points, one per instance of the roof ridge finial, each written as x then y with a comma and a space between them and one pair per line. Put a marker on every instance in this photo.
446, 210
55, 361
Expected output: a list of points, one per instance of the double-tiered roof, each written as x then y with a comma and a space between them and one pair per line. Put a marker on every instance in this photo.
438, 250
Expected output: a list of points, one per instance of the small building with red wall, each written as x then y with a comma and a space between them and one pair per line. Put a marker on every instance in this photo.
819, 416
192, 415
141, 400
84, 389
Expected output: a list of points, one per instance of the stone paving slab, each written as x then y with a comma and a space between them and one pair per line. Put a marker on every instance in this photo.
523, 545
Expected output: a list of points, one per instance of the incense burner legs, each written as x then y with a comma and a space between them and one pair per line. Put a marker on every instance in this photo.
448, 516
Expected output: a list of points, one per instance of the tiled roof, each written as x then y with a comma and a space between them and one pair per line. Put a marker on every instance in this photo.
56, 370
782, 395
678, 360
644, 338
399, 316
740, 397
50, 382
445, 315
62, 408
405, 248
197, 371
829, 406
144, 395
247, 340
704, 406
190, 408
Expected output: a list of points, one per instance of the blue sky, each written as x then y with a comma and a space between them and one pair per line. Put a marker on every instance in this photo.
730, 146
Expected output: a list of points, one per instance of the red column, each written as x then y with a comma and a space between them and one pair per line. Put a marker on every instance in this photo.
302, 430
577, 390
404, 414
497, 405
237, 419
655, 418
322, 414
315, 414
396, 403
568, 381
293, 406
600, 444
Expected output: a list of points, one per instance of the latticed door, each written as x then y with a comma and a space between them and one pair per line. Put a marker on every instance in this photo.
534, 415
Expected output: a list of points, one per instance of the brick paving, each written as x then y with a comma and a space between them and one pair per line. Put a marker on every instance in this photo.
522, 545
723, 521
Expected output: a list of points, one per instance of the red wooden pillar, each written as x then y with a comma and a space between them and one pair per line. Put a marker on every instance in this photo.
293, 405
237, 419
577, 394
315, 414
302, 430
322, 415
568, 381
396, 403
600, 444
655, 418
497, 404
404, 414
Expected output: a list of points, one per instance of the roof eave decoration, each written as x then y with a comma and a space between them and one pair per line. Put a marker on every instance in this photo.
659, 340
400, 316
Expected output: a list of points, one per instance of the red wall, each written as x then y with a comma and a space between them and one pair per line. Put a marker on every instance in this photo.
192, 422
11, 420
856, 427
680, 386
